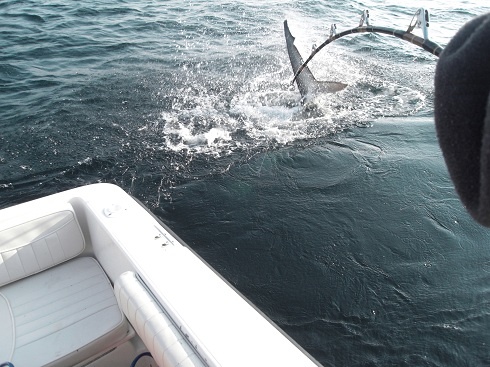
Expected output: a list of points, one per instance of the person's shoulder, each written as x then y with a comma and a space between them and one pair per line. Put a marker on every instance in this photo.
462, 114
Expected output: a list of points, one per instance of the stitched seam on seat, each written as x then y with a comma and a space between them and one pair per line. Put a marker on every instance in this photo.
20, 260
105, 297
72, 219
95, 280
90, 282
61, 244
6, 268
13, 325
68, 325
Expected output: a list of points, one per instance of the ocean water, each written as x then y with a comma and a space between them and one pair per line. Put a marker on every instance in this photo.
338, 219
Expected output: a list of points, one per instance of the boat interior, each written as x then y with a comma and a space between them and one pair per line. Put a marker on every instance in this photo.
89, 277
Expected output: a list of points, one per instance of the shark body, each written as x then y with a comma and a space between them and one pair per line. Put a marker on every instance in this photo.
307, 84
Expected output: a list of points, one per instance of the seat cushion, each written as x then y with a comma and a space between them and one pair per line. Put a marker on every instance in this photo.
60, 316
38, 240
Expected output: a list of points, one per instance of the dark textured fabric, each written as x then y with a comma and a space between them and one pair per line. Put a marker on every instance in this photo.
462, 114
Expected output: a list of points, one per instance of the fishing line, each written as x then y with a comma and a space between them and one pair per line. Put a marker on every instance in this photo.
424, 43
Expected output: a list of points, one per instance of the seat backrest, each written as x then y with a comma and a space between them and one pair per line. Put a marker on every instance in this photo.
38, 240
167, 345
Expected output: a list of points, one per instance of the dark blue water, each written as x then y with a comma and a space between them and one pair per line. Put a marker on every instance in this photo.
339, 221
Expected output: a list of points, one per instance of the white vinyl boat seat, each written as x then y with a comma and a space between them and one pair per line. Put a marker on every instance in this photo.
53, 311
34, 241
60, 317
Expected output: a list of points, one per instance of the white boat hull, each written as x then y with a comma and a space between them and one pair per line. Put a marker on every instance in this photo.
183, 312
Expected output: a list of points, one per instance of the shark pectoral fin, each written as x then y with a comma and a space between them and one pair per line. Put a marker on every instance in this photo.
329, 87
